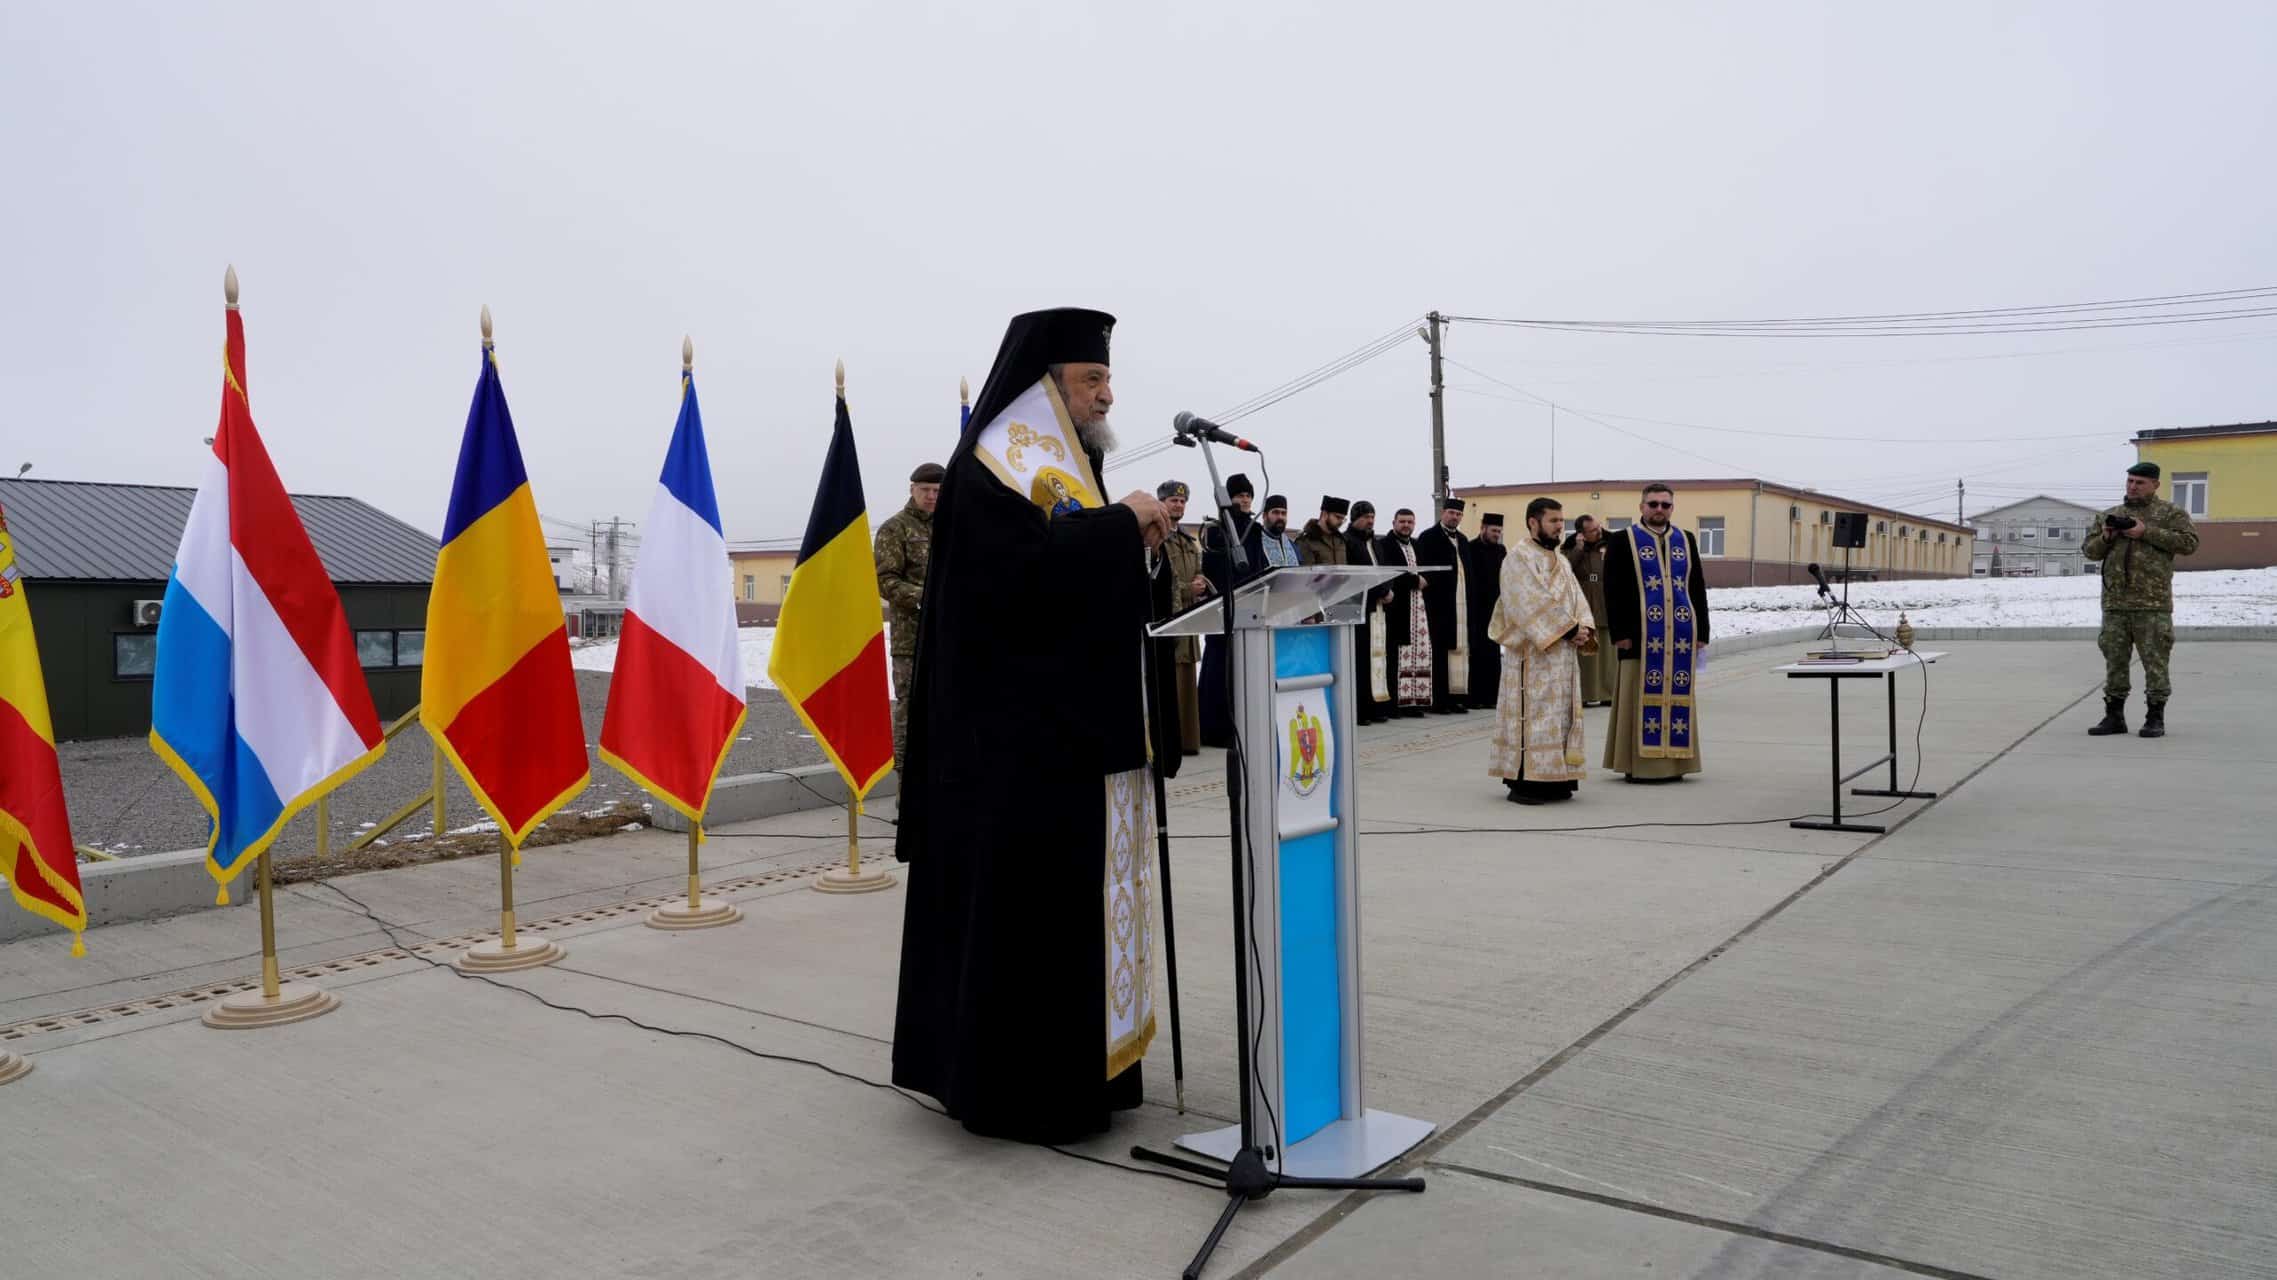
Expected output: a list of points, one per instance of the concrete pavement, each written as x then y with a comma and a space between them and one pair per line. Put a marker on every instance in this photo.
2020, 1036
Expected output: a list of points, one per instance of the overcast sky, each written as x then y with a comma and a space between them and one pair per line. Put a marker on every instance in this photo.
1254, 188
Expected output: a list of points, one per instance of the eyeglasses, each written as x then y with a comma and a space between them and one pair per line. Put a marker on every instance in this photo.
1660, 506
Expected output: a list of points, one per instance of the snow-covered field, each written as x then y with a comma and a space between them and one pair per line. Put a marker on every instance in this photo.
601, 655
2214, 598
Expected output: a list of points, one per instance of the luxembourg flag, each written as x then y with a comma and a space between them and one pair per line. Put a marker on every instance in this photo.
259, 704
676, 699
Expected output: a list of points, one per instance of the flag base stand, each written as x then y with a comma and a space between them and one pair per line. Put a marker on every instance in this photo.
294, 1002
13, 1068
842, 880
704, 915
851, 878
528, 952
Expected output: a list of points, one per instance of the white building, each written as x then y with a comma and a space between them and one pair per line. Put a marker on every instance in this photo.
2036, 538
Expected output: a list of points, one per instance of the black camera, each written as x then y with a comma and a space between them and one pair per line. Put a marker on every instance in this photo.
2118, 523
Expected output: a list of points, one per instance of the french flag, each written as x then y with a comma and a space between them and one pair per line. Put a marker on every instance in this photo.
676, 699
259, 703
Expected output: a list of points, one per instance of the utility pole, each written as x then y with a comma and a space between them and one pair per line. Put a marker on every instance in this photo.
616, 579
1438, 418
1553, 444
592, 557
1960, 502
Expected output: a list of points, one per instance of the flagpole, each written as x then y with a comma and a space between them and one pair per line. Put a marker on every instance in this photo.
512, 949
693, 913
277, 1002
853, 879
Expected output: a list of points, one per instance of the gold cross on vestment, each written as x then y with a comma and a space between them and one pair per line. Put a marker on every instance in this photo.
1652, 583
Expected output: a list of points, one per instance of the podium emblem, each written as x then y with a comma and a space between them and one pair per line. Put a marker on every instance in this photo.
1308, 753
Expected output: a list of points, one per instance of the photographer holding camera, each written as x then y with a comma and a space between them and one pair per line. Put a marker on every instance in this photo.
2137, 543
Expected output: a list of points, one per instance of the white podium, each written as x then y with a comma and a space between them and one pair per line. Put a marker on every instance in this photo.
1291, 777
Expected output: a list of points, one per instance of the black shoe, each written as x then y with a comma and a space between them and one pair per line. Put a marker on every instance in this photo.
2114, 719
2154, 721
1521, 797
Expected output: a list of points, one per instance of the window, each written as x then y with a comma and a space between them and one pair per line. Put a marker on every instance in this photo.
2054, 534
751, 586
385, 650
2031, 535
375, 649
1614, 524
134, 656
2190, 491
1711, 536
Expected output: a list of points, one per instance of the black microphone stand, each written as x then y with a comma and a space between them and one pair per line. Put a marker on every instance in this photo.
1248, 1178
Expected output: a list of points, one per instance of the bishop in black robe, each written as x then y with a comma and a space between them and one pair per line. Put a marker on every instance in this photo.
1026, 731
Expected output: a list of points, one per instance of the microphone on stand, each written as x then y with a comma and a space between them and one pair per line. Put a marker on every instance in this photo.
1188, 424
1814, 572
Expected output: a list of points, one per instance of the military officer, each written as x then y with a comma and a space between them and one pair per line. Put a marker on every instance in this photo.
904, 545
2137, 543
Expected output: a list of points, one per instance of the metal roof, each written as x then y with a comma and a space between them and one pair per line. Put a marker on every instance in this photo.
91, 532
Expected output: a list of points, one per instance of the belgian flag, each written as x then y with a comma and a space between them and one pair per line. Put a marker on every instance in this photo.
829, 654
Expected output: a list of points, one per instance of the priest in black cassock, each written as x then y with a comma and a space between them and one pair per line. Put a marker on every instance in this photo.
1027, 985
1482, 574
1217, 566
1369, 657
1446, 597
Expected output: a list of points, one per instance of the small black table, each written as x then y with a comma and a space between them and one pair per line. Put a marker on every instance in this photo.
1884, 669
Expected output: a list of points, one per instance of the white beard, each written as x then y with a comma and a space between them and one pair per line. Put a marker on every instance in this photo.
1097, 435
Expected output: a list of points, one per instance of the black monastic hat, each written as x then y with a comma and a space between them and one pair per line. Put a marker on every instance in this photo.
1169, 489
1275, 502
1334, 506
1033, 343
1492, 519
929, 473
1450, 504
2147, 470
1238, 484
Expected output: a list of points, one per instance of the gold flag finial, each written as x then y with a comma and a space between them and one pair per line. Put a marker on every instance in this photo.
486, 341
229, 287
964, 391
687, 352
842, 379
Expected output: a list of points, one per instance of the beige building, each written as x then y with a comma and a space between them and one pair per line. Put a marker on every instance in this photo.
1753, 532
758, 576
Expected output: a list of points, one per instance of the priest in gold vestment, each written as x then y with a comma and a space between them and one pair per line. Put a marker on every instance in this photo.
1543, 624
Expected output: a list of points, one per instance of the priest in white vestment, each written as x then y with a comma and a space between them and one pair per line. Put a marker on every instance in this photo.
1543, 623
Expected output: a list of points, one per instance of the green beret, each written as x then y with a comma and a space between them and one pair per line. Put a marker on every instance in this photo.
930, 473
2147, 470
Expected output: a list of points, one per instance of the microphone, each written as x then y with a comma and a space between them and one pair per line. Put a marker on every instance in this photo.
1188, 424
1813, 570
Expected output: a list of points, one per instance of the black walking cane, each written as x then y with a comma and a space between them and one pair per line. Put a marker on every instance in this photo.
1162, 847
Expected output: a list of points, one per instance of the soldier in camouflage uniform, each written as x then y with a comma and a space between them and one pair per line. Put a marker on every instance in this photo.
904, 547
2137, 543
1182, 552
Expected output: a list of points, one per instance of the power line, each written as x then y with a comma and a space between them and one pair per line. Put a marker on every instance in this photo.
1806, 435
2121, 313
1303, 382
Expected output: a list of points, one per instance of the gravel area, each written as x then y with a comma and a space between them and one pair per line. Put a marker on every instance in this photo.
125, 801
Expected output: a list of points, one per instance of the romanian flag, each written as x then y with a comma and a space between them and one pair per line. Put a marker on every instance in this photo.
676, 701
258, 701
829, 656
36, 852
498, 695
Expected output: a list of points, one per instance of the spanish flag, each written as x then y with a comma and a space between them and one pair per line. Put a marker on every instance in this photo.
829, 656
36, 852
498, 695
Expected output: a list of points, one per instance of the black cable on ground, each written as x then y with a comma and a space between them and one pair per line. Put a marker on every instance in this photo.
389, 928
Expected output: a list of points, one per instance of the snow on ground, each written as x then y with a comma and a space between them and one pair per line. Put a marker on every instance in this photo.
2211, 598
601, 655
